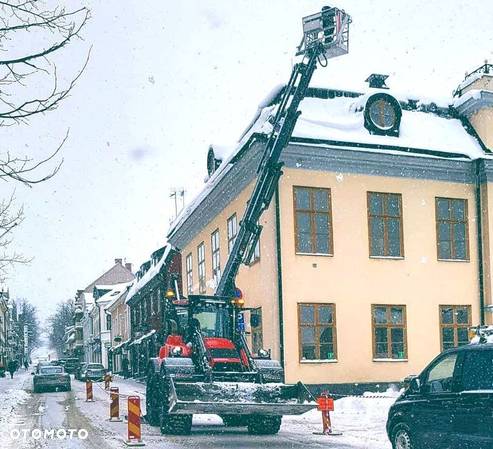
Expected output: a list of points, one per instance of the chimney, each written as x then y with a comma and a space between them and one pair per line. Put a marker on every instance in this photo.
118, 261
475, 101
377, 81
128, 266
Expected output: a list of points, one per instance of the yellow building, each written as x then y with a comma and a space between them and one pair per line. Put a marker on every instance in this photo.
368, 263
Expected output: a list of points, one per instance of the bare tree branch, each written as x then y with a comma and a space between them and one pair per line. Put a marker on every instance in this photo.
10, 218
19, 169
47, 51
32, 35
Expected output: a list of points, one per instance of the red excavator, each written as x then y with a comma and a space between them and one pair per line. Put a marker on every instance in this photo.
205, 365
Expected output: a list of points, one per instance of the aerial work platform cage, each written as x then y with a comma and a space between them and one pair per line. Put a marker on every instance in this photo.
328, 29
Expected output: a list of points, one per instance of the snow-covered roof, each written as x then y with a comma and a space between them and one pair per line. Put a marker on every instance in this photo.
149, 274
113, 287
118, 346
115, 275
474, 94
471, 78
145, 336
221, 152
114, 295
340, 119
337, 119
261, 126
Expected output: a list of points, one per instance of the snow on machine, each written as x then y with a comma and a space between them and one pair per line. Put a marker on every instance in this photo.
205, 365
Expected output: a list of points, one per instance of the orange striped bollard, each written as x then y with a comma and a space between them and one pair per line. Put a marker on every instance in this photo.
89, 397
115, 405
134, 436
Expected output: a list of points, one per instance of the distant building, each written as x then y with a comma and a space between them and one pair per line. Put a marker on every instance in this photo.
119, 332
91, 301
375, 252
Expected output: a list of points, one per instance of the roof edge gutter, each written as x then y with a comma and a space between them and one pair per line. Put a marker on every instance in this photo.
373, 146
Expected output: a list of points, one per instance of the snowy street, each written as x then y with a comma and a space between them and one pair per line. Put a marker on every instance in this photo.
361, 420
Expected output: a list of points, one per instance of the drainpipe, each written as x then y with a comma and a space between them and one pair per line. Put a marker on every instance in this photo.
479, 224
279, 279
100, 340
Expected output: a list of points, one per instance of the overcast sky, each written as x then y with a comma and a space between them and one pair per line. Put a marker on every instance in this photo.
164, 80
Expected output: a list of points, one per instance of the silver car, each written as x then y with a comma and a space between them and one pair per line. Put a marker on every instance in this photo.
52, 377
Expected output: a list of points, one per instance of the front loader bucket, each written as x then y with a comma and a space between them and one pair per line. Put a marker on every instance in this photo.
240, 398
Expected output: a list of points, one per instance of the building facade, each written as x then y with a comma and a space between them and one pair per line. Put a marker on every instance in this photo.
375, 251
119, 333
145, 300
93, 319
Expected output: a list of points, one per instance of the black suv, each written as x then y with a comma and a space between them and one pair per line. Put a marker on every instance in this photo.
449, 405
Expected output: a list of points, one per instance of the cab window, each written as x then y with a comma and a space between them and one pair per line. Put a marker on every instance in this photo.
440, 376
477, 373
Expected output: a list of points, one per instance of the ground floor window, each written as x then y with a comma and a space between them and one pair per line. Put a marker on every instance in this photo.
389, 332
317, 332
455, 322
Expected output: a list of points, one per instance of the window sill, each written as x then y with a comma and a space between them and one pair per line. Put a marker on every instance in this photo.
315, 254
390, 360
388, 257
453, 260
308, 362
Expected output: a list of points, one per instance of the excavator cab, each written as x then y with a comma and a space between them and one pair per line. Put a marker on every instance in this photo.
211, 316
206, 367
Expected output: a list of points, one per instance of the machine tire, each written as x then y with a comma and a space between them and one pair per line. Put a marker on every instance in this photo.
171, 424
234, 420
176, 424
153, 399
402, 437
264, 425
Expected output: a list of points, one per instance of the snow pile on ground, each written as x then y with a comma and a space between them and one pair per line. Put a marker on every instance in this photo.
12, 395
9, 399
484, 334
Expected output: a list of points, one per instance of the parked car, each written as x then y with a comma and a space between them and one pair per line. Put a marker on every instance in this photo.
80, 369
70, 364
449, 405
51, 376
93, 371
41, 364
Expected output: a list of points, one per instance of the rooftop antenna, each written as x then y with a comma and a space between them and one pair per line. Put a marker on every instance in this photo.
178, 196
